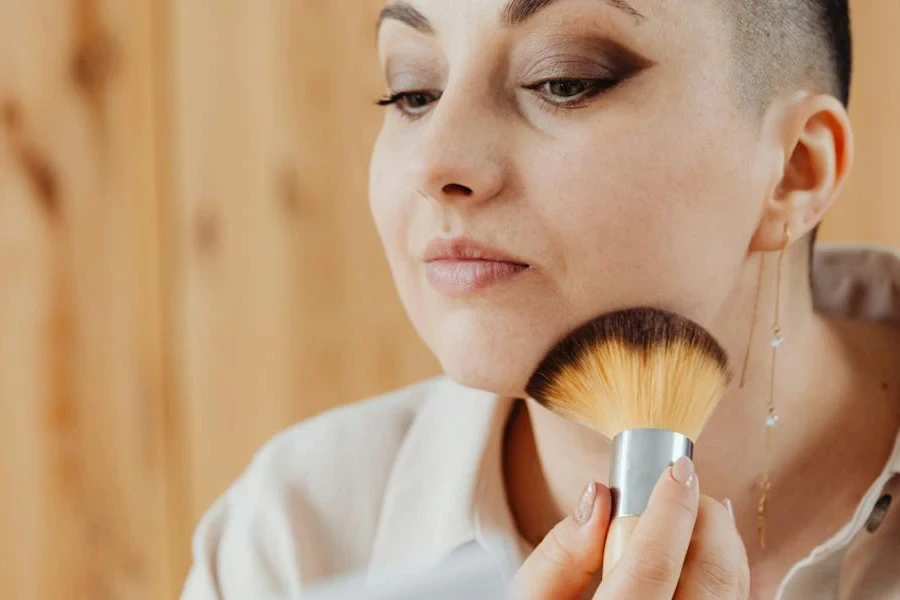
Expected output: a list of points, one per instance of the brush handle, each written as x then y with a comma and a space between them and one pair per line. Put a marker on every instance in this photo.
639, 458
617, 537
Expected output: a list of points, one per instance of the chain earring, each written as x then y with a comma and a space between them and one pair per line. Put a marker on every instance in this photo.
771, 410
759, 278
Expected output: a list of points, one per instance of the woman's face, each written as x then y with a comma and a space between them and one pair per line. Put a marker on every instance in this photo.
577, 156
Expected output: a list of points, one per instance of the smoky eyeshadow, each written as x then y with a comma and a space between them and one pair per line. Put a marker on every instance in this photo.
564, 57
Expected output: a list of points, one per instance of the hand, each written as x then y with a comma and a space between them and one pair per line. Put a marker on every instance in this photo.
685, 547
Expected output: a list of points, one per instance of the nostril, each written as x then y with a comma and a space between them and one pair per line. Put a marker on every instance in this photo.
455, 189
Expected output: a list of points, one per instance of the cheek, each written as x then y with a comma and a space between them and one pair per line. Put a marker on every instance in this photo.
395, 208
657, 216
390, 195
390, 207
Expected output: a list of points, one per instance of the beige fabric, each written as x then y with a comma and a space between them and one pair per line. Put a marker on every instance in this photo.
411, 477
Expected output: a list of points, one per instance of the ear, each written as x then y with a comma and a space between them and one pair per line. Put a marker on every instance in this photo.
816, 155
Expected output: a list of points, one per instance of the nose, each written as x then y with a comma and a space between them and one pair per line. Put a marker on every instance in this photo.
461, 158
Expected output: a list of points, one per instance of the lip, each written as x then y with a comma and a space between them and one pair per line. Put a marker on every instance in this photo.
463, 267
463, 249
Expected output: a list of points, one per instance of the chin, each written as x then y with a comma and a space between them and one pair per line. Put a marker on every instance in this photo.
501, 381
485, 358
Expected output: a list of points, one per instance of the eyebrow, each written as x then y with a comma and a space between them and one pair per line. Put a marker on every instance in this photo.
406, 13
518, 11
515, 13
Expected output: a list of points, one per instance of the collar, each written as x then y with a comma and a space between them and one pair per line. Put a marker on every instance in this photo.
855, 281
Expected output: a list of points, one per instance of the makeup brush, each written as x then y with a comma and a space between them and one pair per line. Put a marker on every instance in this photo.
645, 378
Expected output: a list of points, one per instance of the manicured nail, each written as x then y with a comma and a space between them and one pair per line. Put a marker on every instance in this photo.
585, 507
730, 507
683, 471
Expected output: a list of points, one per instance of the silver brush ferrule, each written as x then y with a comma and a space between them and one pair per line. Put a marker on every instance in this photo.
639, 458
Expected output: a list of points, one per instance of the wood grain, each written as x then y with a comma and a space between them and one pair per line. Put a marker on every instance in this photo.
83, 508
284, 305
869, 210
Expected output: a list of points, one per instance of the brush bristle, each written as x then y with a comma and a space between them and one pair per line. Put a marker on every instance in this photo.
636, 368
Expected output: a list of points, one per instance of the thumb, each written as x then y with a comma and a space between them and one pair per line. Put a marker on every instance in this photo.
565, 562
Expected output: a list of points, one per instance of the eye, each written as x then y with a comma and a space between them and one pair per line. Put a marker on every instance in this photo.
411, 104
566, 88
571, 92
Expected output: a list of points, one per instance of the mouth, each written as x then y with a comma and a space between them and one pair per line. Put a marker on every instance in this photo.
461, 267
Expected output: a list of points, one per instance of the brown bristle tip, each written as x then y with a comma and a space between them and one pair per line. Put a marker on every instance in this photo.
640, 367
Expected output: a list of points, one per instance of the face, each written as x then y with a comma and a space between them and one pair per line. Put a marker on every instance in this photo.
541, 163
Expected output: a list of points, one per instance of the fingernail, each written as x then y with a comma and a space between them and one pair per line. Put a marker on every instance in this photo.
730, 507
585, 507
683, 471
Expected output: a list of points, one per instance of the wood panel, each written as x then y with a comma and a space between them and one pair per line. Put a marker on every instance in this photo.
82, 508
870, 207
284, 305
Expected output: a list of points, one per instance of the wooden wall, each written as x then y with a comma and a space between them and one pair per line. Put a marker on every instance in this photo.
187, 263
83, 475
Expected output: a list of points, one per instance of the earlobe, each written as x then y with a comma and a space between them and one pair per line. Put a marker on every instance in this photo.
817, 141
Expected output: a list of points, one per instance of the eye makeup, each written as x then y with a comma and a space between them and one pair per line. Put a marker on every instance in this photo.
564, 67
566, 58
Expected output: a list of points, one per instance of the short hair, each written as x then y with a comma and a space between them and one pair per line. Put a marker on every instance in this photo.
783, 45
787, 44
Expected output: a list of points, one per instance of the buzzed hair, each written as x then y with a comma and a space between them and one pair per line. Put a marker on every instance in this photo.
783, 45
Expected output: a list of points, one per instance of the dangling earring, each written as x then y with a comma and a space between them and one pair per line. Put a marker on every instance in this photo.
759, 278
771, 412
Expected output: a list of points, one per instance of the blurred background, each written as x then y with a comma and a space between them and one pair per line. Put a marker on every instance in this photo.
187, 263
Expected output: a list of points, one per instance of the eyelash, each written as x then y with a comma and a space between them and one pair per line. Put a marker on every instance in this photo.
396, 99
594, 87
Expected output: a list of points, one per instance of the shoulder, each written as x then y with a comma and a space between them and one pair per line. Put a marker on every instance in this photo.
307, 506
372, 428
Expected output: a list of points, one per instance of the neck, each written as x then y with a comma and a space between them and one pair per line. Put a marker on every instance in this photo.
823, 446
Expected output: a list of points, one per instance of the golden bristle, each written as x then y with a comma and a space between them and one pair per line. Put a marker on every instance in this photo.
636, 368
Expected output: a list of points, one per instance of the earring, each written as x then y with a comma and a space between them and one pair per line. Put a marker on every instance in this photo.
771, 411
759, 278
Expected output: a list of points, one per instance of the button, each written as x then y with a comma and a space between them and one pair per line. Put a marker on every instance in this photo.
879, 513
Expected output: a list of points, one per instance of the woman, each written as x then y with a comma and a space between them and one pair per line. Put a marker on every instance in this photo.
543, 162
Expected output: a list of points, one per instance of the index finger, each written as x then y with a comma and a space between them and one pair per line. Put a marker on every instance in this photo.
651, 565
563, 564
